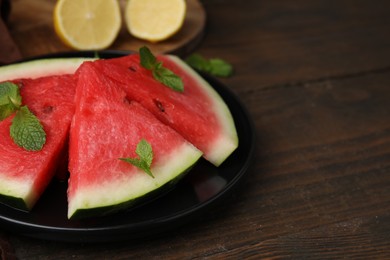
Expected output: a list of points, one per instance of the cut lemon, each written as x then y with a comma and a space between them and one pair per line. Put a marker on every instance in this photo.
87, 24
154, 20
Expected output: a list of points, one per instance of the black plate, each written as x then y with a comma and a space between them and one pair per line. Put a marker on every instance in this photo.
197, 192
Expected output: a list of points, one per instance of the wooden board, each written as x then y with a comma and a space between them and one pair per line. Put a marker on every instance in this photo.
31, 26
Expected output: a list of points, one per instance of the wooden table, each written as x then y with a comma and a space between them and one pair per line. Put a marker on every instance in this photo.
315, 77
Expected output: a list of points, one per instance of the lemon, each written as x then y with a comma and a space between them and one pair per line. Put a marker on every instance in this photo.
87, 24
154, 20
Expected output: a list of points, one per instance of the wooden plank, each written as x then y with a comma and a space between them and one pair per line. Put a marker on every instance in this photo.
279, 42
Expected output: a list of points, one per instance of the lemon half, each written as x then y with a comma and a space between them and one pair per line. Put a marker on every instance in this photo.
154, 20
87, 24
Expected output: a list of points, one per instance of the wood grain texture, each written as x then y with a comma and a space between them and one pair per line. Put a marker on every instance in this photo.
315, 77
287, 42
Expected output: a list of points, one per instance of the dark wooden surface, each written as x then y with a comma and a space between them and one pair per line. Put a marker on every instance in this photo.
315, 77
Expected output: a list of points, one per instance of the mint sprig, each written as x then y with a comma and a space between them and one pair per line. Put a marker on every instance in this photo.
26, 130
145, 157
160, 73
217, 67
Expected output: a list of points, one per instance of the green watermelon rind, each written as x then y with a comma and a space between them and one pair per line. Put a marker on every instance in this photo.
17, 193
228, 141
40, 68
131, 203
121, 195
14, 202
10, 195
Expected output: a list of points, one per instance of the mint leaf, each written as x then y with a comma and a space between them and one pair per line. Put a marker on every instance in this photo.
216, 67
10, 99
220, 68
145, 154
138, 163
148, 61
160, 73
198, 62
168, 78
27, 131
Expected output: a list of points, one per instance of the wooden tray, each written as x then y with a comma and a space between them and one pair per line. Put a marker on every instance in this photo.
31, 26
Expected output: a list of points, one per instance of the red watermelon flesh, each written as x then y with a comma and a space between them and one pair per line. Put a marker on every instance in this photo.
25, 174
198, 114
108, 125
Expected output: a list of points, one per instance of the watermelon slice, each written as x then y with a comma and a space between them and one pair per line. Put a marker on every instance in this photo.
198, 114
108, 125
24, 174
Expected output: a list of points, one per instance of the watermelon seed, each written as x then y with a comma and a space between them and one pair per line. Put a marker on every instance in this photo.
132, 68
126, 100
159, 105
48, 109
